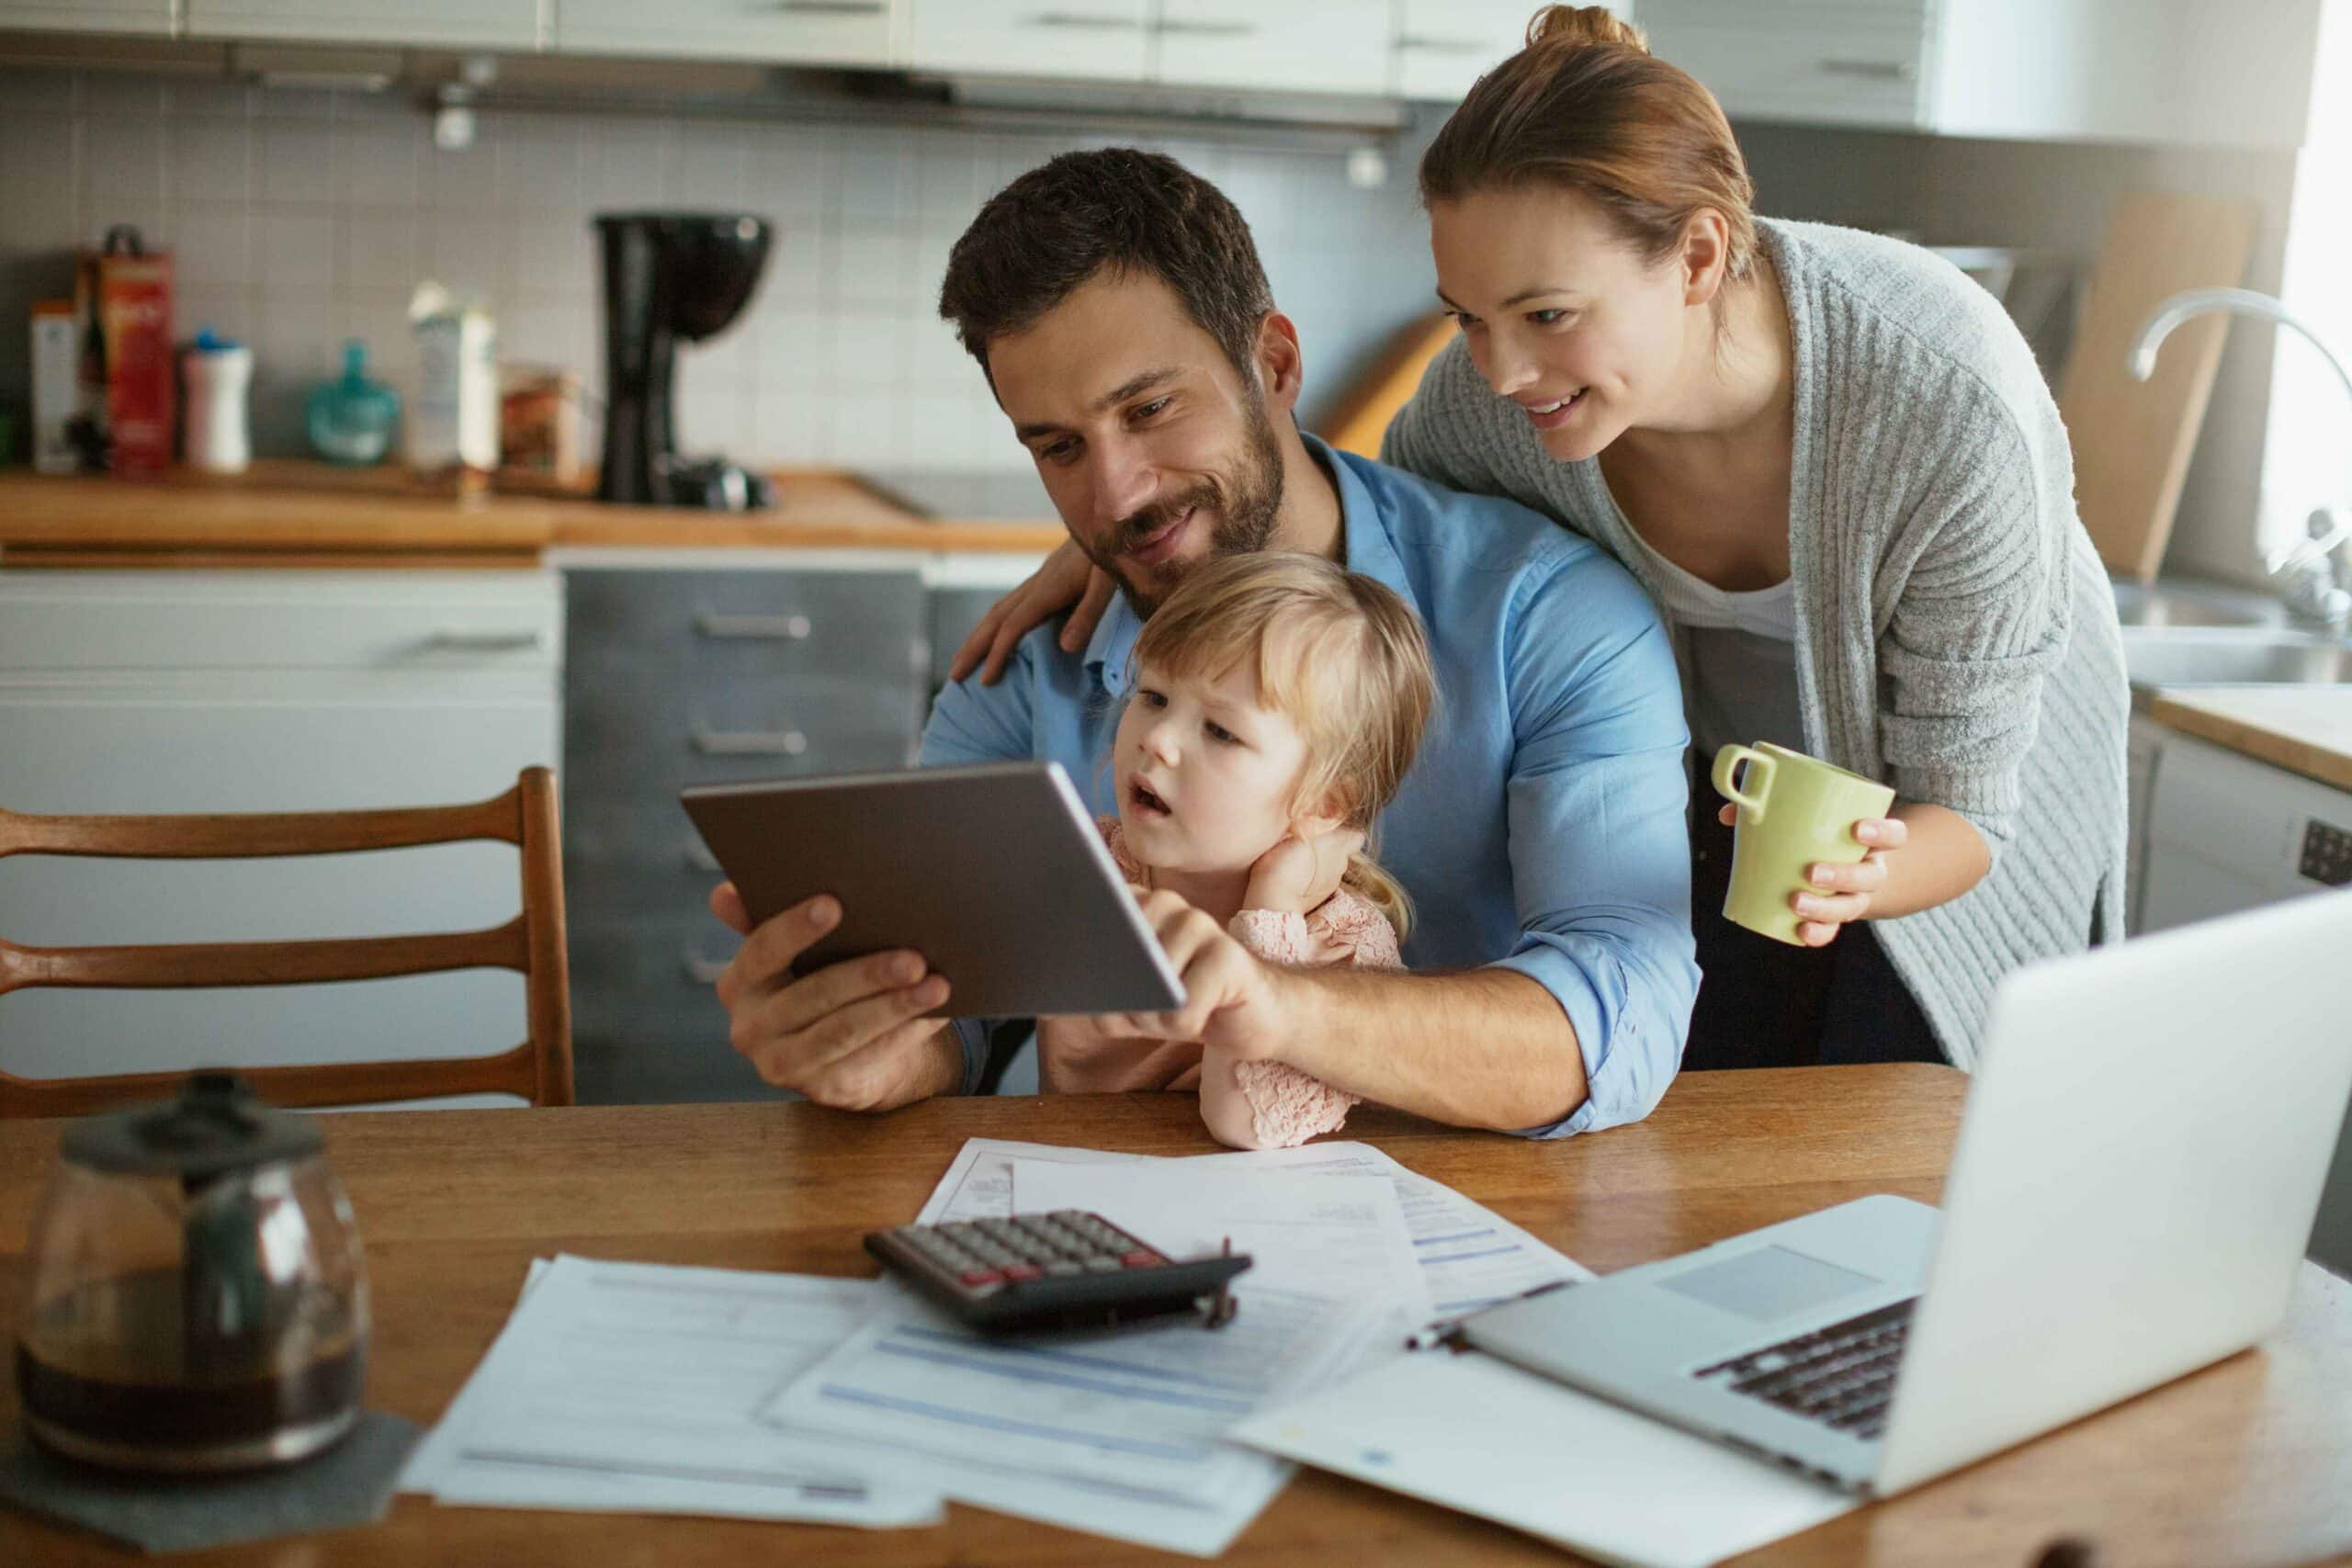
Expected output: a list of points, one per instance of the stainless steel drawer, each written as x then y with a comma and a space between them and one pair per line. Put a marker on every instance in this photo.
649, 1029
641, 738
754, 624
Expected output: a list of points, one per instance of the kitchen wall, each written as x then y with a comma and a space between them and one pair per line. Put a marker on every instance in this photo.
300, 218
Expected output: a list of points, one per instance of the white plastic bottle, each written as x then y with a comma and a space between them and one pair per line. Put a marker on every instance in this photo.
218, 372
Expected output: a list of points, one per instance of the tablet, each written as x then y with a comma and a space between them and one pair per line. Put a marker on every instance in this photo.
995, 873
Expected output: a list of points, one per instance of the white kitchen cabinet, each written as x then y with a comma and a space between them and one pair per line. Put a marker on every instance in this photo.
1443, 46
193, 692
2144, 752
485, 23
2226, 833
1321, 46
1103, 41
88, 15
2187, 71
814, 32
1812, 61
2183, 71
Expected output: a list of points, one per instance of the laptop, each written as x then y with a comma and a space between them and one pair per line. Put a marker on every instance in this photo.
2138, 1166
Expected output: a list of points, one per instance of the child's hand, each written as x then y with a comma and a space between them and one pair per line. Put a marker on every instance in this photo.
1297, 875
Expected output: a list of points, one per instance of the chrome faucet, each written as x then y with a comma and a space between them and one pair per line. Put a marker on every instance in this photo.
2318, 577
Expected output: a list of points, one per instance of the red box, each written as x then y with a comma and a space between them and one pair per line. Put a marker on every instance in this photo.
126, 292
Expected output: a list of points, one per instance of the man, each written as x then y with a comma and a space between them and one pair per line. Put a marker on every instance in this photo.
1116, 305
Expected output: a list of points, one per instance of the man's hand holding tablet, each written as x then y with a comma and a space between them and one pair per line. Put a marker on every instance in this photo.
853, 1035
870, 903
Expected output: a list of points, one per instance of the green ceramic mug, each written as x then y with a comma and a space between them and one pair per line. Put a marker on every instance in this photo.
1796, 812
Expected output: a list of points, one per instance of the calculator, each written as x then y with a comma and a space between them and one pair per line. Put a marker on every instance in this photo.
1066, 1270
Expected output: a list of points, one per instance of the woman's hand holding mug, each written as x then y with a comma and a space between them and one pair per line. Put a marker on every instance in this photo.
1839, 895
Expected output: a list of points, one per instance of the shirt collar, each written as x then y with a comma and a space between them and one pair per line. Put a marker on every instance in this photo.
1110, 652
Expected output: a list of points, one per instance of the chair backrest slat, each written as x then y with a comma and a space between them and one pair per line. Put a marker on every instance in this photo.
217, 963
242, 837
527, 816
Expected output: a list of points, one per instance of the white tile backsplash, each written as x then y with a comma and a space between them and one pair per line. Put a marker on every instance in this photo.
301, 218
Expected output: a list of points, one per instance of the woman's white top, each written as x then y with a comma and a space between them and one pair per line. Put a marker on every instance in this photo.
1739, 656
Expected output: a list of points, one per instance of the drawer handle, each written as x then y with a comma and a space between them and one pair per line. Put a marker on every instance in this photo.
485, 642
1207, 29
833, 8
1876, 70
1441, 45
751, 629
1077, 21
701, 971
698, 856
746, 742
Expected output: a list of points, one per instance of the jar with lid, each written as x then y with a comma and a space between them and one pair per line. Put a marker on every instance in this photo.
194, 1297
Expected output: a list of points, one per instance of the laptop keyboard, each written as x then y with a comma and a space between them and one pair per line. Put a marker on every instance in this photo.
1842, 1376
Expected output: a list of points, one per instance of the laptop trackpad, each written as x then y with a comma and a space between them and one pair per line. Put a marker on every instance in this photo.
1769, 1282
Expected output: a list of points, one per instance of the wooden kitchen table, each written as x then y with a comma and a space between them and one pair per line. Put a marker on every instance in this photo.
2249, 1461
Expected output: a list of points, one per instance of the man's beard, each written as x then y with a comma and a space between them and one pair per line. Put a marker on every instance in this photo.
1245, 506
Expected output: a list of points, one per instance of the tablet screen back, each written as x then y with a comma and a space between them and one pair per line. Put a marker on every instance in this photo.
995, 873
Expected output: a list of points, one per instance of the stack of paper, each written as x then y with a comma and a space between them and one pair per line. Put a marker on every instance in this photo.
630, 1387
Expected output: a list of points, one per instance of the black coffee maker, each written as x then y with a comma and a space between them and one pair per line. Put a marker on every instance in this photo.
670, 276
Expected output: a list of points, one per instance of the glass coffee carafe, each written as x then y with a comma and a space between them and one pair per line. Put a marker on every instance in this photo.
196, 1299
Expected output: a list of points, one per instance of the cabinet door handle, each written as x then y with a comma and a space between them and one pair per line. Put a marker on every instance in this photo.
746, 742
698, 856
1079, 21
751, 629
485, 642
1441, 45
1876, 70
701, 971
833, 8
1206, 29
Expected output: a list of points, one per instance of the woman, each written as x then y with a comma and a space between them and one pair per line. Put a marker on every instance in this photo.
1832, 460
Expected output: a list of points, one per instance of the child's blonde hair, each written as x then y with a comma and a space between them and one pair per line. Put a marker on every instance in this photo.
1339, 654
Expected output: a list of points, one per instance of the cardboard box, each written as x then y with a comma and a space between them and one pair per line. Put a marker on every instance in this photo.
55, 387
127, 383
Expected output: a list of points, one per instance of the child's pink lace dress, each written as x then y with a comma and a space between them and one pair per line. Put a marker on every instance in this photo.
1286, 1106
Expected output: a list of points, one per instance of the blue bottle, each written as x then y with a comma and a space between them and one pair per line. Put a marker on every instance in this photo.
352, 420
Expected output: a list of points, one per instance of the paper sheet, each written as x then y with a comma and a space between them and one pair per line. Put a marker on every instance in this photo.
1470, 1256
631, 1388
1469, 1432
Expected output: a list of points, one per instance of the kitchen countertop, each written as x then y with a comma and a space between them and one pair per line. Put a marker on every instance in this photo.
2306, 730
292, 512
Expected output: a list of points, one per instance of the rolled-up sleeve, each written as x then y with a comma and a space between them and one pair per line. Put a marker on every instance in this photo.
973, 723
1600, 843
1982, 618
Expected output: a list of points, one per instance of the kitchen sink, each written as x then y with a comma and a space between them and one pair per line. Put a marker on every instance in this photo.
2173, 604
2175, 656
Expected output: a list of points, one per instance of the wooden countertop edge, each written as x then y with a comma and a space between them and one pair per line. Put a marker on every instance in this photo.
2205, 715
820, 511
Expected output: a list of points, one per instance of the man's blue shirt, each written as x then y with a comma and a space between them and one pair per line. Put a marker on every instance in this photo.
1541, 827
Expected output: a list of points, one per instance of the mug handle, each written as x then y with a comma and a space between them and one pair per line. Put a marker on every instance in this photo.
1727, 762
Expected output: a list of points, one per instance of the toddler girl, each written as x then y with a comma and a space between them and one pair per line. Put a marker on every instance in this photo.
1277, 704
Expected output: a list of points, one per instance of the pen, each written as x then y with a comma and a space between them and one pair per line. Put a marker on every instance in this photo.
1438, 1331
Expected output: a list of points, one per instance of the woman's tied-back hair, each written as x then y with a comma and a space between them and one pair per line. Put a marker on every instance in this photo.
1586, 107
1339, 655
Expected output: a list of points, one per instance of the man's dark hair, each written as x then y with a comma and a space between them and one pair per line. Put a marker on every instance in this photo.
1056, 226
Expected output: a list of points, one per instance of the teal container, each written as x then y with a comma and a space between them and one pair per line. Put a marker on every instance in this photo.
352, 420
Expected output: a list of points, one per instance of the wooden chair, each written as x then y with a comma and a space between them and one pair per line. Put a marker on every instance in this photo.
533, 943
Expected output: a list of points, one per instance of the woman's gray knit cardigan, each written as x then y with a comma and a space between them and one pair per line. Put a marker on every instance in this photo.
1956, 634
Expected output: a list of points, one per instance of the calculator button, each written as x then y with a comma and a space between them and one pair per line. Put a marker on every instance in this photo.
1064, 1268
1100, 1264
1022, 1271
977, 1278
1141, 1258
